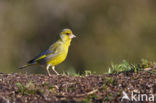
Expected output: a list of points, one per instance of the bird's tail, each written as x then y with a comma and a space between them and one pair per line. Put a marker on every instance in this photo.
24, 66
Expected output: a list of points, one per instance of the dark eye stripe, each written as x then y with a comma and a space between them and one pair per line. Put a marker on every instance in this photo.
67, 33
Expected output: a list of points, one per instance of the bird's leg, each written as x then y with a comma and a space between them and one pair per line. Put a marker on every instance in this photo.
48, 69
53, 68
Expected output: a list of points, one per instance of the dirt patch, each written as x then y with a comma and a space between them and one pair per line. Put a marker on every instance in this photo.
30, 88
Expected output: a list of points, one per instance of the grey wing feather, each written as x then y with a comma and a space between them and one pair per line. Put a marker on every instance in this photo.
50, 54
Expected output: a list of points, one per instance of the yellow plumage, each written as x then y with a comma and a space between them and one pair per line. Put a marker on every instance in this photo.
56, 53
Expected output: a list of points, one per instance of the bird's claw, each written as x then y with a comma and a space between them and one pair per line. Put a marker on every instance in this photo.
49, 75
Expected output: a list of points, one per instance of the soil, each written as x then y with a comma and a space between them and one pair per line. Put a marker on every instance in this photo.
107, 88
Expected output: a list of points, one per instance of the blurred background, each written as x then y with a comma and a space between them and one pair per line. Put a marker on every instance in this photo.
107, 31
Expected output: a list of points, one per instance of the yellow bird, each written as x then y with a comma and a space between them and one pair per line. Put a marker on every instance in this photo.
55, 54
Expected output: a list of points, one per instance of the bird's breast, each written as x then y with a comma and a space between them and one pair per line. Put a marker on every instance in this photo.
60, 57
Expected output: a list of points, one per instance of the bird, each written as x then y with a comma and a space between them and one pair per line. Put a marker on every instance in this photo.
55, 54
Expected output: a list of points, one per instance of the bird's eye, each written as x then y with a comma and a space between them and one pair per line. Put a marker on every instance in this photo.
67, 33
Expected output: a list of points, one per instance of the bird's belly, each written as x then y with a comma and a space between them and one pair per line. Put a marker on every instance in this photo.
58, 59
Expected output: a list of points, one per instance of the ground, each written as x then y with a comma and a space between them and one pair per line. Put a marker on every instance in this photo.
30, 88
88, 88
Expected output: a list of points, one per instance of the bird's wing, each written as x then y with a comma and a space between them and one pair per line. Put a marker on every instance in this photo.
41, 58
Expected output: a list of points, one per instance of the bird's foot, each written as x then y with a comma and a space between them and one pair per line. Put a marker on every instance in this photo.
57, 73
49, 75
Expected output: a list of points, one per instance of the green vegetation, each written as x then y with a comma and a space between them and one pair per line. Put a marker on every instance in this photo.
86, 73
108, 97
127, 67
123, 67
72, 74
109, 81
149, 66
29, 88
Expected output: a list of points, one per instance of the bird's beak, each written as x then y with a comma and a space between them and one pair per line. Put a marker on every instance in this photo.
72, 36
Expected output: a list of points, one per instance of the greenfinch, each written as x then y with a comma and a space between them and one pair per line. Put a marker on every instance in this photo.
55, 54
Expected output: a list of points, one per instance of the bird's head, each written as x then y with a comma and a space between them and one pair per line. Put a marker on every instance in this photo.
67, 35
